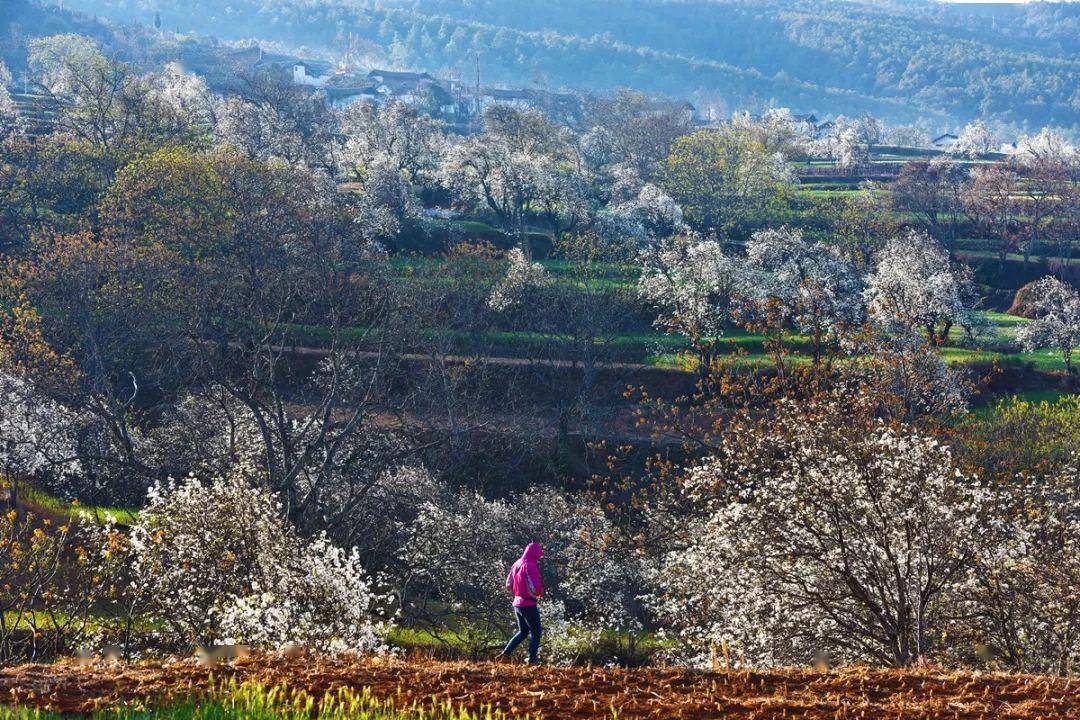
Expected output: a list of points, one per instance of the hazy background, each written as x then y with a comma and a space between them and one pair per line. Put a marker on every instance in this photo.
1015, 65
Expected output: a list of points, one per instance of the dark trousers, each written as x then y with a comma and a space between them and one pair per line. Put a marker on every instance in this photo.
528, 622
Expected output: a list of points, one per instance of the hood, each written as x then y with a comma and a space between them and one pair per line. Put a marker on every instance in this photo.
533, 552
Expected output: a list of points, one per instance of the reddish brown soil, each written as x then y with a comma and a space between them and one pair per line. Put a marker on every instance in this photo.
575, 693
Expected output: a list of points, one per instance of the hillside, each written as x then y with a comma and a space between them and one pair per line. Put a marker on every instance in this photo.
25, 20
574, 693
900, 61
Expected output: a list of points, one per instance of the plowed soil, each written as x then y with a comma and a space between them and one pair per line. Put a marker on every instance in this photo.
572, 693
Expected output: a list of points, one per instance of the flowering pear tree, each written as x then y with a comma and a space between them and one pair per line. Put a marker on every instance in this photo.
776, 130
506, 168
818, 546
9, 115
521, 276
217, 564
695, 286
916, 379
914, 286
1057, 319
659, 213
814, 287
1047, 145
975, 139
851, 149
395, 135
188, 95
1026, 590
38, 435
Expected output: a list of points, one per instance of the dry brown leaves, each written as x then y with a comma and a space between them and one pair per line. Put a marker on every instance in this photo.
573, 693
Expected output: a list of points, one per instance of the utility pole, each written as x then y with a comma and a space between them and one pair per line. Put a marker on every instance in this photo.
476, 110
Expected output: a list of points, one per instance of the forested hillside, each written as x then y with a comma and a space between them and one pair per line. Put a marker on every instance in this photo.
1015, 65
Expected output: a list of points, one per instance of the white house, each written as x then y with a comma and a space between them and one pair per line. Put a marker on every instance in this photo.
311, 72
945, 141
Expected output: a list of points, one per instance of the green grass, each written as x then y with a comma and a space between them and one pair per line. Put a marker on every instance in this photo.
255, 702
41, 620
1004, 330
812, 192
55, 506
660, 350
1047, 399
1011, 257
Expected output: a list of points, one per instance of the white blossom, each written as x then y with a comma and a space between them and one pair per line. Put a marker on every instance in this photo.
37, 434
851, 549
1057, 319
1025, 592
218, 564
521, 275
187, 94
851, 150
10, 120
1047, 145
694, 284
819, 291
915, 286
975, 139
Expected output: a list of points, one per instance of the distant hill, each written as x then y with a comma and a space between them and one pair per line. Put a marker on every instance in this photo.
23, 20
1018, 65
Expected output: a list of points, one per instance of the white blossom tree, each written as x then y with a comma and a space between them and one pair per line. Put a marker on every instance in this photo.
395, 135
695, 287
1047, 145
776, 130
9, 115
521, 276
851, 150
914, 286
817, 546
1025, 592
507, 168
217, 563
188, 95
975, 139
815, 288
659, 213
37, 435
647, 215
60, 62
269, 117
1057, 319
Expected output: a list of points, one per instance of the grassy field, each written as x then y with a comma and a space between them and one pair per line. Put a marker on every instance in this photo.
268, 688
56, 507
251, 701
671, 351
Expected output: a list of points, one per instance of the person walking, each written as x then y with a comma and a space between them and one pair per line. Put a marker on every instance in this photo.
525, 585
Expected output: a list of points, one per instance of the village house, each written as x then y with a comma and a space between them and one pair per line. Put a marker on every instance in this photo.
315, 73
945, 141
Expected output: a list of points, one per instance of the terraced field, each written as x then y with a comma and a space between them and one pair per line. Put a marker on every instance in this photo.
566, 693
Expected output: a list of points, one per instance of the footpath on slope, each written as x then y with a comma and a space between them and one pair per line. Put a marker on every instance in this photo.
571, 693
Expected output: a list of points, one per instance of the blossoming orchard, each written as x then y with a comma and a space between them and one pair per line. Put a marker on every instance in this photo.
280, 374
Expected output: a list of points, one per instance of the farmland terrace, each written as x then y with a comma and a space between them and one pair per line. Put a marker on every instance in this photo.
568, 693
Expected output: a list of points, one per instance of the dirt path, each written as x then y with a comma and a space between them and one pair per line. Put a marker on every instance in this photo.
577, 693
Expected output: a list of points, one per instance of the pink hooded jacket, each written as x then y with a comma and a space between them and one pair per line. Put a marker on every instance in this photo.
524, 578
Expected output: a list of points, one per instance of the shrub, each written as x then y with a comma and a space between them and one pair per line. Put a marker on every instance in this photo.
217, 563
52, 576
